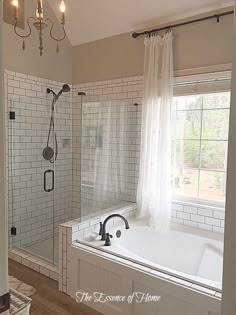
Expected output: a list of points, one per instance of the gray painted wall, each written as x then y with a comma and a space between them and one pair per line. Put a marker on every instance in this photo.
200, 45
195, 46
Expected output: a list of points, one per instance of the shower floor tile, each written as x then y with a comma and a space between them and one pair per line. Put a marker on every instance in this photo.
44, 249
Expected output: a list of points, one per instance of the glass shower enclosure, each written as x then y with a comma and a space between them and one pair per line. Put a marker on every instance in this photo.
40, 167
67, 160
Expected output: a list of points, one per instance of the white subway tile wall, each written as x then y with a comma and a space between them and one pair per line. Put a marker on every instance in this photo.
30, 208
206, 218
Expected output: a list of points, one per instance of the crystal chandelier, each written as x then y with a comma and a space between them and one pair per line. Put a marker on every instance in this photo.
40, 23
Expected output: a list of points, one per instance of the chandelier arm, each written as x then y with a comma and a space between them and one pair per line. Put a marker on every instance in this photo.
30, 30
54, 38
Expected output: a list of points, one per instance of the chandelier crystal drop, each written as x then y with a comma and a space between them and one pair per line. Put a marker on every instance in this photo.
40, 23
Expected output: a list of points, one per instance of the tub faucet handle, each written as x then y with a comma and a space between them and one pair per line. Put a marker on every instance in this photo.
108, 239
101, 229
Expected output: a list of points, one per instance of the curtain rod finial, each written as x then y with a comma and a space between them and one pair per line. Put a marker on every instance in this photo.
135, 35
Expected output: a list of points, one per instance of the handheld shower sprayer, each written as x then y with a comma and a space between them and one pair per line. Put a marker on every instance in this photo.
48, 152
65, 89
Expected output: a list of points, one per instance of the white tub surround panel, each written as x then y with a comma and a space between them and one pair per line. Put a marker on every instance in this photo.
71, 231
93, 271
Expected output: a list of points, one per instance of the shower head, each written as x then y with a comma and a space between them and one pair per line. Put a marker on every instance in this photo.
65, 88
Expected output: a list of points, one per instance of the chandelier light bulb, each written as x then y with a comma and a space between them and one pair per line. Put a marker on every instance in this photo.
39, 10
15, 3
63, 6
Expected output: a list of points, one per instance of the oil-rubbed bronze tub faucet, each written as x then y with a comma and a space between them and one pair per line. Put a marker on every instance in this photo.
103, 226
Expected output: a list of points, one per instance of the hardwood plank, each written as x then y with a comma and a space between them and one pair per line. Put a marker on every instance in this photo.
48, 307
29, 276
48, 300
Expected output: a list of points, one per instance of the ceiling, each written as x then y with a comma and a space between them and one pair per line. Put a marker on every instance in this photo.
90, 20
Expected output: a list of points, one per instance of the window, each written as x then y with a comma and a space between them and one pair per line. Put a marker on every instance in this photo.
200, 146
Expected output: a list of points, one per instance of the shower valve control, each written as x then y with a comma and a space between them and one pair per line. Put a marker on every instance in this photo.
12, 115
13, 230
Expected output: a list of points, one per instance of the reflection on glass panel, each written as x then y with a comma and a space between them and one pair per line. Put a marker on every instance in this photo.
186, 182
215, 124
108, 129
188, 124
188, 102
214, 155
187, 153
212, 185
91, 140
216, 100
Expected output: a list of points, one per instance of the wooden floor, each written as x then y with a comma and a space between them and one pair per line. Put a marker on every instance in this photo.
47, 300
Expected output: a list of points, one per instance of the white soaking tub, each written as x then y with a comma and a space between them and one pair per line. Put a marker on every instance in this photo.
184, 252
183, 267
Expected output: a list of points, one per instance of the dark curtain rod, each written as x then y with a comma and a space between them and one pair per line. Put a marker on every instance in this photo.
215, 16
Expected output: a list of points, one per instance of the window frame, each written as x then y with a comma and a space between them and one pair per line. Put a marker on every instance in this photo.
208, 83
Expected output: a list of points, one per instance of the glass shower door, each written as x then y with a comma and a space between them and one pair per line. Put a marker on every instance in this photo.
31, 178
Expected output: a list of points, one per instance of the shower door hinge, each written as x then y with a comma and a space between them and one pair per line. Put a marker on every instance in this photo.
5, 302
12, 115
13, 230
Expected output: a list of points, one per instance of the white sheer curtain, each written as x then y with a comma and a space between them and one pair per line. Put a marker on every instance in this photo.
154, 187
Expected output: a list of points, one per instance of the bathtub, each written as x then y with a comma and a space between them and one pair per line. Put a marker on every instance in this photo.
182, 266
188, 253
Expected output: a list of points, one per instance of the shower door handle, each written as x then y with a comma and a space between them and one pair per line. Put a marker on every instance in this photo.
45, 181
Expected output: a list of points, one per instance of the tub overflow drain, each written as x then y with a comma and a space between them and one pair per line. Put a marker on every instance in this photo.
118, 234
